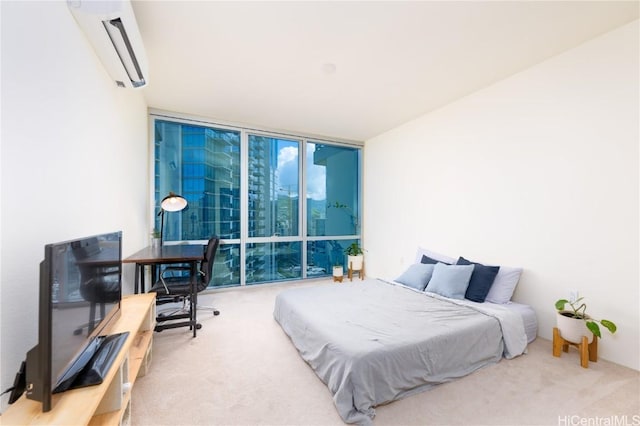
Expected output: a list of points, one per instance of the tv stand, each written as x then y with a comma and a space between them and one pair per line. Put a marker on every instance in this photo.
108, 403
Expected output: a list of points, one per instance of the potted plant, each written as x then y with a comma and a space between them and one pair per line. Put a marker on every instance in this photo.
338, 272
575, 323
355, 256
155, 238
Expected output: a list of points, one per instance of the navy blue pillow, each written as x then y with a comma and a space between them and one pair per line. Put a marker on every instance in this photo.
427, 259
481, 280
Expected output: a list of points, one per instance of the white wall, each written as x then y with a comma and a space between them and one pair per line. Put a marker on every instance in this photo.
539, 171
74, 159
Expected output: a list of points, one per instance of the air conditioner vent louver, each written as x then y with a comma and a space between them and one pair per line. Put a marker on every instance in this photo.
111, 27
125, 53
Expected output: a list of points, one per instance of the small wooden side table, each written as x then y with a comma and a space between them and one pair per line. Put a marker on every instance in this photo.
588, 351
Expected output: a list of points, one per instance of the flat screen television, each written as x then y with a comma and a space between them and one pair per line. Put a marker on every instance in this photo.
80, 295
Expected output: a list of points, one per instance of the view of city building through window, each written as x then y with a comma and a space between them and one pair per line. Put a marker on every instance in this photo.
246, 187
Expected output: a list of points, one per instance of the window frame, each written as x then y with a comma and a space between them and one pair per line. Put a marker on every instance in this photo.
303, 139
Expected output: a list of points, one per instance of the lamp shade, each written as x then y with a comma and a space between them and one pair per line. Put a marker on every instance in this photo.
173, 203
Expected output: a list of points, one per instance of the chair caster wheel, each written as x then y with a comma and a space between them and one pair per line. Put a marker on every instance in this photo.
216, 313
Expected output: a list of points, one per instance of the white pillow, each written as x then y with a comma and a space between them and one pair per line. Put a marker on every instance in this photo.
432, 254
504, 285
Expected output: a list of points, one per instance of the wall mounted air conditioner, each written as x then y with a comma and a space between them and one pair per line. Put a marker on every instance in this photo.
111, 27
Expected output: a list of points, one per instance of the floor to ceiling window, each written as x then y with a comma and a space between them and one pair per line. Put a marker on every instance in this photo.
273, 250
333, 204
203, 165
285, 206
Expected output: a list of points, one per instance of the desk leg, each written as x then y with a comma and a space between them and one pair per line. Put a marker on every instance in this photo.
136, 279
194, 297
142, 270
155, 273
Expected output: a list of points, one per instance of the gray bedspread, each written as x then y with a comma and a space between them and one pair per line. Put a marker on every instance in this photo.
373, 342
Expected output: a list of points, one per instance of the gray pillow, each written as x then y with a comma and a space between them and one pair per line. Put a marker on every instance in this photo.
416, 276
450, 280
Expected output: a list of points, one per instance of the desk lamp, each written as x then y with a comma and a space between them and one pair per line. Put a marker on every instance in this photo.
170, 203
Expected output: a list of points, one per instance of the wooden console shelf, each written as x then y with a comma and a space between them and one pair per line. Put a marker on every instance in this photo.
110, 402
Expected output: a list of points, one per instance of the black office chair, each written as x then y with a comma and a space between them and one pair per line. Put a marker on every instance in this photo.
174, 289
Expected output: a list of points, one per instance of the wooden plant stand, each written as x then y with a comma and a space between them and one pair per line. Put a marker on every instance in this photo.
588, 351
359, 271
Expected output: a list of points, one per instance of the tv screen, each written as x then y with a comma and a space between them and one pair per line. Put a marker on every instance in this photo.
80, 293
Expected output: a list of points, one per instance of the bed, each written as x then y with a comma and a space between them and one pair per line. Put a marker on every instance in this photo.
373, 341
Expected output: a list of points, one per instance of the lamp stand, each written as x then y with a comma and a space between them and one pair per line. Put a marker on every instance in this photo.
161, 226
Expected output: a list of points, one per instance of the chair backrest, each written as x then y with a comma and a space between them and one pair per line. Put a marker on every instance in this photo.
206, 266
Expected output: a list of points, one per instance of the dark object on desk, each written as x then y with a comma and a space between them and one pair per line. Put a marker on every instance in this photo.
172, 289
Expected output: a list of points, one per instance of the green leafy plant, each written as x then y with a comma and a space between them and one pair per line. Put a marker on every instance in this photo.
155, 233
354, 249
579, 312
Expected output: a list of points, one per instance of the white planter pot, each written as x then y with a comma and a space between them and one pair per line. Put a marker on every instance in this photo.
155, 243
338, 271
355, 262
572, 329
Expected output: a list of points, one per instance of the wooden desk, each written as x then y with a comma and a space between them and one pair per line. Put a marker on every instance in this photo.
153, 256
191, 254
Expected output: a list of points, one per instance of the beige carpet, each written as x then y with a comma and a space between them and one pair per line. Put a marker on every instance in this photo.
242, 369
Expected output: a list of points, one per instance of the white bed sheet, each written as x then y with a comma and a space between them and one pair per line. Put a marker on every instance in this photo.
529, 319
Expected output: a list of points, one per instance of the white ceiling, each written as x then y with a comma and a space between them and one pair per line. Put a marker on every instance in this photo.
267, 64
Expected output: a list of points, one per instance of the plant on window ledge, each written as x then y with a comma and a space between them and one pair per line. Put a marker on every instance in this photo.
354, 249
355, 256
